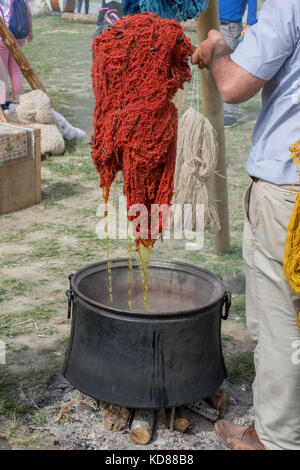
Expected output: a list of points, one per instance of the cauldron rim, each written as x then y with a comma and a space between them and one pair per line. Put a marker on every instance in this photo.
154, 263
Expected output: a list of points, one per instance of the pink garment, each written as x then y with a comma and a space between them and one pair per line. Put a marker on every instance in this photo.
12, 68
3, 82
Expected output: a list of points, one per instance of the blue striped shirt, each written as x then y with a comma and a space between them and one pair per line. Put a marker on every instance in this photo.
271, 51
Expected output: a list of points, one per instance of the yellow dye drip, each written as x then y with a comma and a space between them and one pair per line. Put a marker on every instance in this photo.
110, 291
144, 258
130, 303
143, 252
115, 189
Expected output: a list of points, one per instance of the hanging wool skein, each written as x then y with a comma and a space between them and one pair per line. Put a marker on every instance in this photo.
130, 7
181, 10
195, 167
291, 261
196, 163
138, 66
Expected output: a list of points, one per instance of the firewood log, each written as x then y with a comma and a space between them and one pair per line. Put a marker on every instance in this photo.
79, 18
142, 426
115, 417
181, 422
220, 401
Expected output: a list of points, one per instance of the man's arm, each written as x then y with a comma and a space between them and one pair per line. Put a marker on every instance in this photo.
235, 84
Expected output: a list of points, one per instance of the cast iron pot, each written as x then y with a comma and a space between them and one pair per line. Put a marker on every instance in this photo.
170, 356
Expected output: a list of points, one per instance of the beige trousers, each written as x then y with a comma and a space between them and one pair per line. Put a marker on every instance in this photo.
272, 312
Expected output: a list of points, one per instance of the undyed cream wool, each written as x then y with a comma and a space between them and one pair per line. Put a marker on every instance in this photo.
39, 7
195, 166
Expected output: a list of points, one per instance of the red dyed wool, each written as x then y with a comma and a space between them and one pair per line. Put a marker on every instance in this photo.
138, 66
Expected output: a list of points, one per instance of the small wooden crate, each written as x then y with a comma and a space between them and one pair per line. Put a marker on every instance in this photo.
20, 167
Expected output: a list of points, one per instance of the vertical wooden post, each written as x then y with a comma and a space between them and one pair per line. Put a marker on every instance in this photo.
213, 111
2, 115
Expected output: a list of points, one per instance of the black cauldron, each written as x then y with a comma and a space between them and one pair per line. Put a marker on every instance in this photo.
170, 356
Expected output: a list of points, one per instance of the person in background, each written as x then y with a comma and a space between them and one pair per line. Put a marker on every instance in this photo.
86, 6
231, 14
269, 60
9, 63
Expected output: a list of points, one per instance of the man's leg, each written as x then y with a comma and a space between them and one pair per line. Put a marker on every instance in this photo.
87, 6
272, 312
231, 34
235, 436
79, 5
250, 224
15, 72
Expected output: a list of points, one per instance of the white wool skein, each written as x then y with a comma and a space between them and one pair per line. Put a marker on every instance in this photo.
68, 131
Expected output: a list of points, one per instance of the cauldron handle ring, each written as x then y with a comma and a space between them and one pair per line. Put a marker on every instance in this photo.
227, 303
70, 296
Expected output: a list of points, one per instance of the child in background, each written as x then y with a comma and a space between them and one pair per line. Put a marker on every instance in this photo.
10, 65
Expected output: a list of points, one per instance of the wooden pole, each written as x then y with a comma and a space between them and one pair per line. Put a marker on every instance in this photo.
2, 115
20, 58
213, 111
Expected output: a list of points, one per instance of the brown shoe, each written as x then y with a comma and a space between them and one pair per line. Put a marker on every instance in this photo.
238, 437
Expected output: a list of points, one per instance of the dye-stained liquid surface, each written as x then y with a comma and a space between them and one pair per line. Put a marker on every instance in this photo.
171, 289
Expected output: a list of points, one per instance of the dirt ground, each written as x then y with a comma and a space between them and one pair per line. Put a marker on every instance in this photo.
41, 245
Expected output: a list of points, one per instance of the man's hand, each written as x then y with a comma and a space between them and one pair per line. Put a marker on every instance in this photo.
235, 84
30, 37
204, 52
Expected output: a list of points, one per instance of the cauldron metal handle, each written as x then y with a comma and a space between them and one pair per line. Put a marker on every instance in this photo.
227, 304
70, 296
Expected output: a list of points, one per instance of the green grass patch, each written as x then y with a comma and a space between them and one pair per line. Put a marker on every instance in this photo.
15, 324
65, 168
47, 181
45, 249
14, 287
238, 307
9, 404
59, 189
226, 338
79, 148
87, 212
241, 367
17, 236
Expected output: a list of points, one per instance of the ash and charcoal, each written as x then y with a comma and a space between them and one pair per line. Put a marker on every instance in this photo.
74, 421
